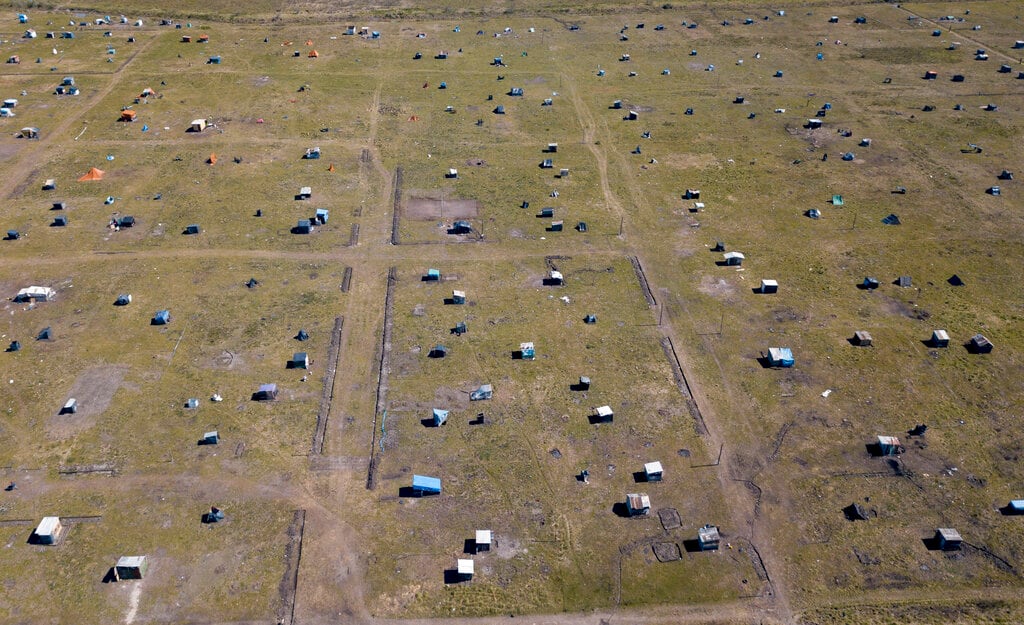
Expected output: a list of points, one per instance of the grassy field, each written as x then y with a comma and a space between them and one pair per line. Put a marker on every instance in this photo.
514, 473
766, 454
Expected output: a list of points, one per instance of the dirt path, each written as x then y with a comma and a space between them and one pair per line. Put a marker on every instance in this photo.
589, 126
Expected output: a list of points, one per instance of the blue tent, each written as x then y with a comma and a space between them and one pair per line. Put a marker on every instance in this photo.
438, 351
423, 484
485, 391
780, 357
440, 417
162, 317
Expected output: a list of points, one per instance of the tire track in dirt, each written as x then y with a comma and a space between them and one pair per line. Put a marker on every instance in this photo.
589, 126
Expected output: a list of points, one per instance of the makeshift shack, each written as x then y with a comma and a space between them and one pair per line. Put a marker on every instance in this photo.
266, 392
708, 538
424, 485
638, 504
780, 357
48, 532
979, 344
35, 293
483, 541
131, 567
733, 258
603, 414
889, 446
947, 539
464, 569
653, 471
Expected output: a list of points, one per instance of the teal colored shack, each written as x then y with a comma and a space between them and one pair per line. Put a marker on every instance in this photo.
424, 485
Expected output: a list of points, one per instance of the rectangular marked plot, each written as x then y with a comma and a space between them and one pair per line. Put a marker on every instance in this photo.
511, 463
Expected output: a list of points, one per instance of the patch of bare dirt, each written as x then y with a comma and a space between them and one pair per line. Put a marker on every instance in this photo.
818, 138
93, 389
9, 150
717, 287
669, 518
687, 161
431, 205
666, 552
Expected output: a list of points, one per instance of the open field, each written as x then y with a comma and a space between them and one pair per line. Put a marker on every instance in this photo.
322, 526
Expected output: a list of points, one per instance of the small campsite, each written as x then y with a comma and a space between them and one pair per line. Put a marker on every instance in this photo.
658, 313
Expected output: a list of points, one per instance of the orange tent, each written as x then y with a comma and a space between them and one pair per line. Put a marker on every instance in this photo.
414, 118
127, 115
331, 168
212, 160
313, 54
93, 174
309, 42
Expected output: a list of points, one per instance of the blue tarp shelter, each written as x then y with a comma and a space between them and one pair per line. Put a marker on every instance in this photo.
780, 357
423, 484
440, 417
